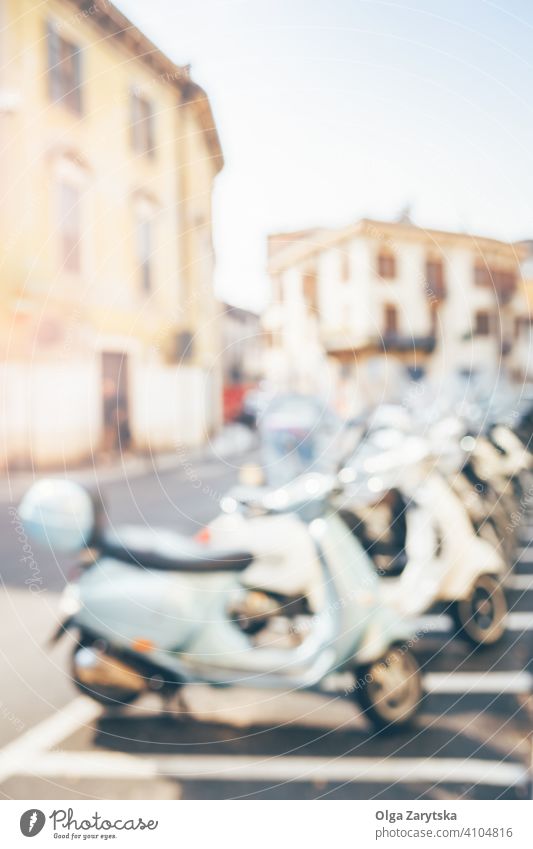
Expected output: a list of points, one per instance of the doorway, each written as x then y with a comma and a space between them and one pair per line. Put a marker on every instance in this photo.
115, 401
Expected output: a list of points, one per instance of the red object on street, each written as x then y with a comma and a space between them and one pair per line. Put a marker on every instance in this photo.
233, 397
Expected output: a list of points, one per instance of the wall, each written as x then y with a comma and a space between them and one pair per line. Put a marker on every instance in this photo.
54, 412
169, 407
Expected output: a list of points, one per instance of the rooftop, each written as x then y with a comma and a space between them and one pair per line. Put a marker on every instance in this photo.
114, 24
290, 248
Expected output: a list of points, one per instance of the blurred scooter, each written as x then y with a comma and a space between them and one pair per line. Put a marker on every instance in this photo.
154, 610
441, 558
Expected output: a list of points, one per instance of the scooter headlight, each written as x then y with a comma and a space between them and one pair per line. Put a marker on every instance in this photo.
229, 504
70, 601
375, 484
468, 443
347, 475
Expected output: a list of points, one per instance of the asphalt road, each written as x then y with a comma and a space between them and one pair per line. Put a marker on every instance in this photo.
470, 739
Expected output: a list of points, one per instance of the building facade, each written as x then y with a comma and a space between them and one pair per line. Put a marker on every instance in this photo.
429, 301
108, 320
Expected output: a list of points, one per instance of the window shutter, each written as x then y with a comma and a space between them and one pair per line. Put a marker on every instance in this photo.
54, 61
135, 119
184, 346
76, 91
149, 130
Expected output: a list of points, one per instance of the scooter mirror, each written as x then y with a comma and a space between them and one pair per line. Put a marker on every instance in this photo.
251, 475
59, 513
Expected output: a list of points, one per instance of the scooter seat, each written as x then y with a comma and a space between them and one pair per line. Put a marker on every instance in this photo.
158, 548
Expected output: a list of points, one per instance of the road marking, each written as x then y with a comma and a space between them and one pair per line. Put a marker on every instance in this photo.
19, 756
91, 765
28, 756
443, 623
515, 681
52, 730
252, 768
478, 682
519, 582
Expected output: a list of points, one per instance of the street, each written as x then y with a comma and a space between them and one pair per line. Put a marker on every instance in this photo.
470, 739
266, 429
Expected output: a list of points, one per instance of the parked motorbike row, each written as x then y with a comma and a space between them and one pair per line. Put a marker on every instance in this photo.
293, 583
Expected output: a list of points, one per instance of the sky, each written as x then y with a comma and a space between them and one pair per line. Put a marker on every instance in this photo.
331, 110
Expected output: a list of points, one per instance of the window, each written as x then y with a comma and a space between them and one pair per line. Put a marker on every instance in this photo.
390, 320
69, 214
310, 289
64, 70
501, 280
504, 283
481, 274
345, 265
180, 348
142, 124
386, 264
144, 251
436, 287
482, 323
522, 323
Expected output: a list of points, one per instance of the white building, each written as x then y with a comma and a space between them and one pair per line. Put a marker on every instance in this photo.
426, 300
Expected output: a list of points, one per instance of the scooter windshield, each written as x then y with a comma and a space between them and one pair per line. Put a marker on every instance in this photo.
299, 434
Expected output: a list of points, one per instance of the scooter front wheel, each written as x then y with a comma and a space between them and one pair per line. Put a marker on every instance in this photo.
390, 689
481, 617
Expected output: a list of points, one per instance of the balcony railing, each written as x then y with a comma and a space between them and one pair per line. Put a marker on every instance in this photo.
393, 342
403, 342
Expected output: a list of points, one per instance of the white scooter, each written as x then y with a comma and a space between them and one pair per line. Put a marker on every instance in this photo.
492, 480
442, 558
154, 610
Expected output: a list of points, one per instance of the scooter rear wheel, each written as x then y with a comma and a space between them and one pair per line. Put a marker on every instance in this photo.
480, 618
106, 694
389, 690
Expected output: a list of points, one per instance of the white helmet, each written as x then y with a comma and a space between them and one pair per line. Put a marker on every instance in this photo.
59, 513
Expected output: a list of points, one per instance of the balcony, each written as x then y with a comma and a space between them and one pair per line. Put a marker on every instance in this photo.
399, 342
338, 343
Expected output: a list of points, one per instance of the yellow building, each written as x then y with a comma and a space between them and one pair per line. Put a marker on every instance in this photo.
108, 157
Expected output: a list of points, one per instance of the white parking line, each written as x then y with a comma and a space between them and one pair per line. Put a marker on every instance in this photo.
519, 582
20, 756
27, 756
442, 623
20, 753
478, 682
514, 681
274, 769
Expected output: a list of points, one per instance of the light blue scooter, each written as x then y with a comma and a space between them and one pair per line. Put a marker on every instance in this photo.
154, 610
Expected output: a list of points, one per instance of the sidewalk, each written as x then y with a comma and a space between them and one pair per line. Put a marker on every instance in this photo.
231, 441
